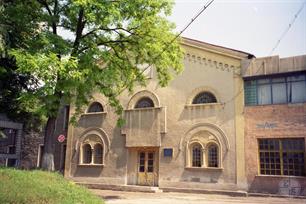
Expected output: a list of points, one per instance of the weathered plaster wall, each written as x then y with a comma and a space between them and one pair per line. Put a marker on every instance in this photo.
216, 71
114, 169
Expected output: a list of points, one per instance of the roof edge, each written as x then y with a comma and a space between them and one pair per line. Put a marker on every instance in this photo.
218, 48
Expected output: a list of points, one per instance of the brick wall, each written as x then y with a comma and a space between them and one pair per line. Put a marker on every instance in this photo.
271, 121
29, 149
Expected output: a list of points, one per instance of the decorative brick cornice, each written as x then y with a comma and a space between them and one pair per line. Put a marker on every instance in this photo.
213, 63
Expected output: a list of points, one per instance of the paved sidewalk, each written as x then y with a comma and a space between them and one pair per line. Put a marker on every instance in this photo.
122, 197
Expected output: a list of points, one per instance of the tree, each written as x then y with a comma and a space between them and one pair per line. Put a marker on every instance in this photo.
109, 40
13, 83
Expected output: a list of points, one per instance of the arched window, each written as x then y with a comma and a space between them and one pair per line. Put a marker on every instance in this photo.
204, 97
87, 154
196, 155
95, 107
144, 102
98, 154
212, 159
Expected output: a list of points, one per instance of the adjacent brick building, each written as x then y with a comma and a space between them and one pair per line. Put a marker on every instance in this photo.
275, 125
23, 148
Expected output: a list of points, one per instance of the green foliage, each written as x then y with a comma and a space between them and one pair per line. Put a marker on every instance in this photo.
17, 186
12, 87
110, 40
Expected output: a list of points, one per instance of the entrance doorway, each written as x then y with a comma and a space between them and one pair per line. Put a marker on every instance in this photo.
146, 168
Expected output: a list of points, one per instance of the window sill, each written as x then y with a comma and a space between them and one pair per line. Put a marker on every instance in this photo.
205, 168
280, 176
95, 113
91, 165
208, 105
141, 109
276, 104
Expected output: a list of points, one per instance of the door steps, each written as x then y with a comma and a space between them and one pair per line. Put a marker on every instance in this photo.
133, 188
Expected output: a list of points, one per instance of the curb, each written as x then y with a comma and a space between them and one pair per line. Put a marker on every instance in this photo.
275, 195
131, 188
147, 189
206, 191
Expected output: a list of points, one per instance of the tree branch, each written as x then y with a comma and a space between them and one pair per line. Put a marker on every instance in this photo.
78, 31
110, 29
53, 23
105, 43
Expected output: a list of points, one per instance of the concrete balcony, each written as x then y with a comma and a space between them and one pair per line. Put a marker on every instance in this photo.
144, 126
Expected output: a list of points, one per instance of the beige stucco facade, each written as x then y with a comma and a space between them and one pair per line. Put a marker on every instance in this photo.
173, 123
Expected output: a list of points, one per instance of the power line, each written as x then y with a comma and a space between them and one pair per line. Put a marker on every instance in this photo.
180, 33
170, 42
288, 28
242, 88
278, 42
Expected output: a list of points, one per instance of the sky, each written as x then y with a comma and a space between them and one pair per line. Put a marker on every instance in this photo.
253, 26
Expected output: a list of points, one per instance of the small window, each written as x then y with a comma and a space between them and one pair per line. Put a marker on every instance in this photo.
168, 152
204, 97
212, 155
196, 156
98, 154
87, 154
142, 156
144, 102
95, 107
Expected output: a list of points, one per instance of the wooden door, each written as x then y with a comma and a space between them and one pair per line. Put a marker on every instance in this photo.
146, 168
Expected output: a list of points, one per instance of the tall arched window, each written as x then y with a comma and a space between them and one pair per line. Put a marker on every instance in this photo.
95, 107
87, 154
204, 97
197, 155
144, 102
212, 159
98, 154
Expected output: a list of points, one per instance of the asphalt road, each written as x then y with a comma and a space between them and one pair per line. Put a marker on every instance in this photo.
121, 197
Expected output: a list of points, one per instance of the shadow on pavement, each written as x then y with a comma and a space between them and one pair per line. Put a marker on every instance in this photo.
111, 197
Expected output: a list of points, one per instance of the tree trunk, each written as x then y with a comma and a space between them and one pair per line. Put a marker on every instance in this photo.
48, 155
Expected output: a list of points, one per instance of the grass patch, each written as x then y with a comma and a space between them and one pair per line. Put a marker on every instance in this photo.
19, 186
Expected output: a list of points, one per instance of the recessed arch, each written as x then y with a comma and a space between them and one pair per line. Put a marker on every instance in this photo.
200, 92
144, 102
95, 107
207, 135
99, 132
213, 129
143, 94
204, 97
93, 145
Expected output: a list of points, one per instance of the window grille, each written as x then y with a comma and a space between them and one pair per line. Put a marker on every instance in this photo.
204, 97
282, 156
144, 102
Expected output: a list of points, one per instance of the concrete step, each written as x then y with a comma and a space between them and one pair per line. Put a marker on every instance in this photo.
206, 191
133, 188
